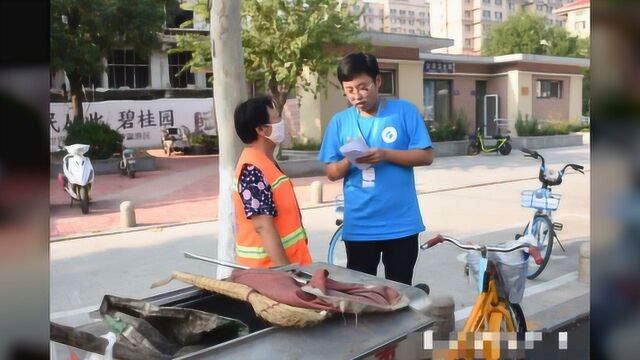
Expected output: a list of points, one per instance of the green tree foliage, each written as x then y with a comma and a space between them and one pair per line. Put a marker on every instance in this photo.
529, 34
280, 39
85, 32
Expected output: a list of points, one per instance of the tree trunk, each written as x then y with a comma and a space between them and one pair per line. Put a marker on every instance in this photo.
77, 97
229, 90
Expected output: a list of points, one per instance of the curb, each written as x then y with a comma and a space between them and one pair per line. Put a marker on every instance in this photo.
563, 314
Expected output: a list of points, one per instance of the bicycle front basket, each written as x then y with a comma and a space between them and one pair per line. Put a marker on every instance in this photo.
537, 200
512, 273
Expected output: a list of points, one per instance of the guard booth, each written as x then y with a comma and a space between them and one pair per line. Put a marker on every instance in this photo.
490, 91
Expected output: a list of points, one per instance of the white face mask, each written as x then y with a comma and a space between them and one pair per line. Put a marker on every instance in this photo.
277, 132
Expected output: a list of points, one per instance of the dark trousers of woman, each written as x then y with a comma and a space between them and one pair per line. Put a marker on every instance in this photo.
398, 256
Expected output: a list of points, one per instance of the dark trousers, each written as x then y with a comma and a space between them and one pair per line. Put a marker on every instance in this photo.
398, 256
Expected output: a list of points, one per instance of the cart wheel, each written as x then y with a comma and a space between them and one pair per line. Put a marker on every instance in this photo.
131, 173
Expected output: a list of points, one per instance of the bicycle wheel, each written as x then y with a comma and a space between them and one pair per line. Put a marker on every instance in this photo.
517, 316
542, 231
337, 251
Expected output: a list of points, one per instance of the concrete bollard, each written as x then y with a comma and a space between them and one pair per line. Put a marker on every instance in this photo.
442, 311
316, 192
584, 263
127, 214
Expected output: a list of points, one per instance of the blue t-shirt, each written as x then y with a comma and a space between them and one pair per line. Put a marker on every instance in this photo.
389, 209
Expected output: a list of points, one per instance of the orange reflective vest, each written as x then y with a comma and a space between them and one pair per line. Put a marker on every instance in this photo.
288, 221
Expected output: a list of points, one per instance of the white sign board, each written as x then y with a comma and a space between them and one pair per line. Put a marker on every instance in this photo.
140, 122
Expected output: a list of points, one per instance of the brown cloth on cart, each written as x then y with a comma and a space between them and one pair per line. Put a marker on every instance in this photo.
321, 292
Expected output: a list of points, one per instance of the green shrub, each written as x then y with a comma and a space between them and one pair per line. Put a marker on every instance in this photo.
526, 127
298, 143
210, 142
102, 139
449, 130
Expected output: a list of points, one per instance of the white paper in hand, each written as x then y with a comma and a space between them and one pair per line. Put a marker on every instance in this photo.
355, 149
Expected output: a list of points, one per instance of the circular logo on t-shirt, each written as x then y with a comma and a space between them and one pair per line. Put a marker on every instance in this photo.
389, 134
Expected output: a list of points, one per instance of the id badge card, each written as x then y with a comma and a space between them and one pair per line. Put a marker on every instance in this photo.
368, 177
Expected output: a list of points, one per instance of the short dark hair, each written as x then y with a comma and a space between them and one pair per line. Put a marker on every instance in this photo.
355, 64
251, 114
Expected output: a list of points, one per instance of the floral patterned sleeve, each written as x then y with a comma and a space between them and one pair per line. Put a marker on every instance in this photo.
255, 192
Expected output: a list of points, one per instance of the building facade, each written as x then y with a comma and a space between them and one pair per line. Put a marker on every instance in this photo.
468, 22
485, 88
409, 17
577, 17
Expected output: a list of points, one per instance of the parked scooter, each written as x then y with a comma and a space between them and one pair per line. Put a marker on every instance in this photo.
78, 175
127, 163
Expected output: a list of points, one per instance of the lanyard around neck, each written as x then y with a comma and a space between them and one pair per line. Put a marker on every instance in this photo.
358, 116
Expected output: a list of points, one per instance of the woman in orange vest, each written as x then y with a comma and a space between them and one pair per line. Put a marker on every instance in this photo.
269, 229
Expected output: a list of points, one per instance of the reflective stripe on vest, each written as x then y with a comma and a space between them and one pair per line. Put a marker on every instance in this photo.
255, 252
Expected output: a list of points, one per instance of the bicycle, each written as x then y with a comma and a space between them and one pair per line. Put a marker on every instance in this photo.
502, 145
337, 254
500, 273
541, 226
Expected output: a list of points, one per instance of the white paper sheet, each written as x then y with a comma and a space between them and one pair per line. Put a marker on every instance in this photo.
355, 149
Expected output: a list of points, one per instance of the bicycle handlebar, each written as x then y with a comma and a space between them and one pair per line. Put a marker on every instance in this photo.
533, 251
575, 167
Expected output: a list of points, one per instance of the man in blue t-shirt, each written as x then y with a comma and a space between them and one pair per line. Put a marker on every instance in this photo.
381, 213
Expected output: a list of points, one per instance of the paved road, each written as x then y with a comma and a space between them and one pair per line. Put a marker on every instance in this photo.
473, 198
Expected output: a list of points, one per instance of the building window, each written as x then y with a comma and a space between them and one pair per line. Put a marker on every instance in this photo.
467, 28
486, 1
388, 86
403, 12
580, 25
392, 11
181, 16
437, 100
411, 31
498, 15
176, 62
559, 23
549, 22
412, 13
126, 68
421, 13
486, 14
467, 14
498, 2
548, 89
511, 5
467, 42
411, 22
539, 7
